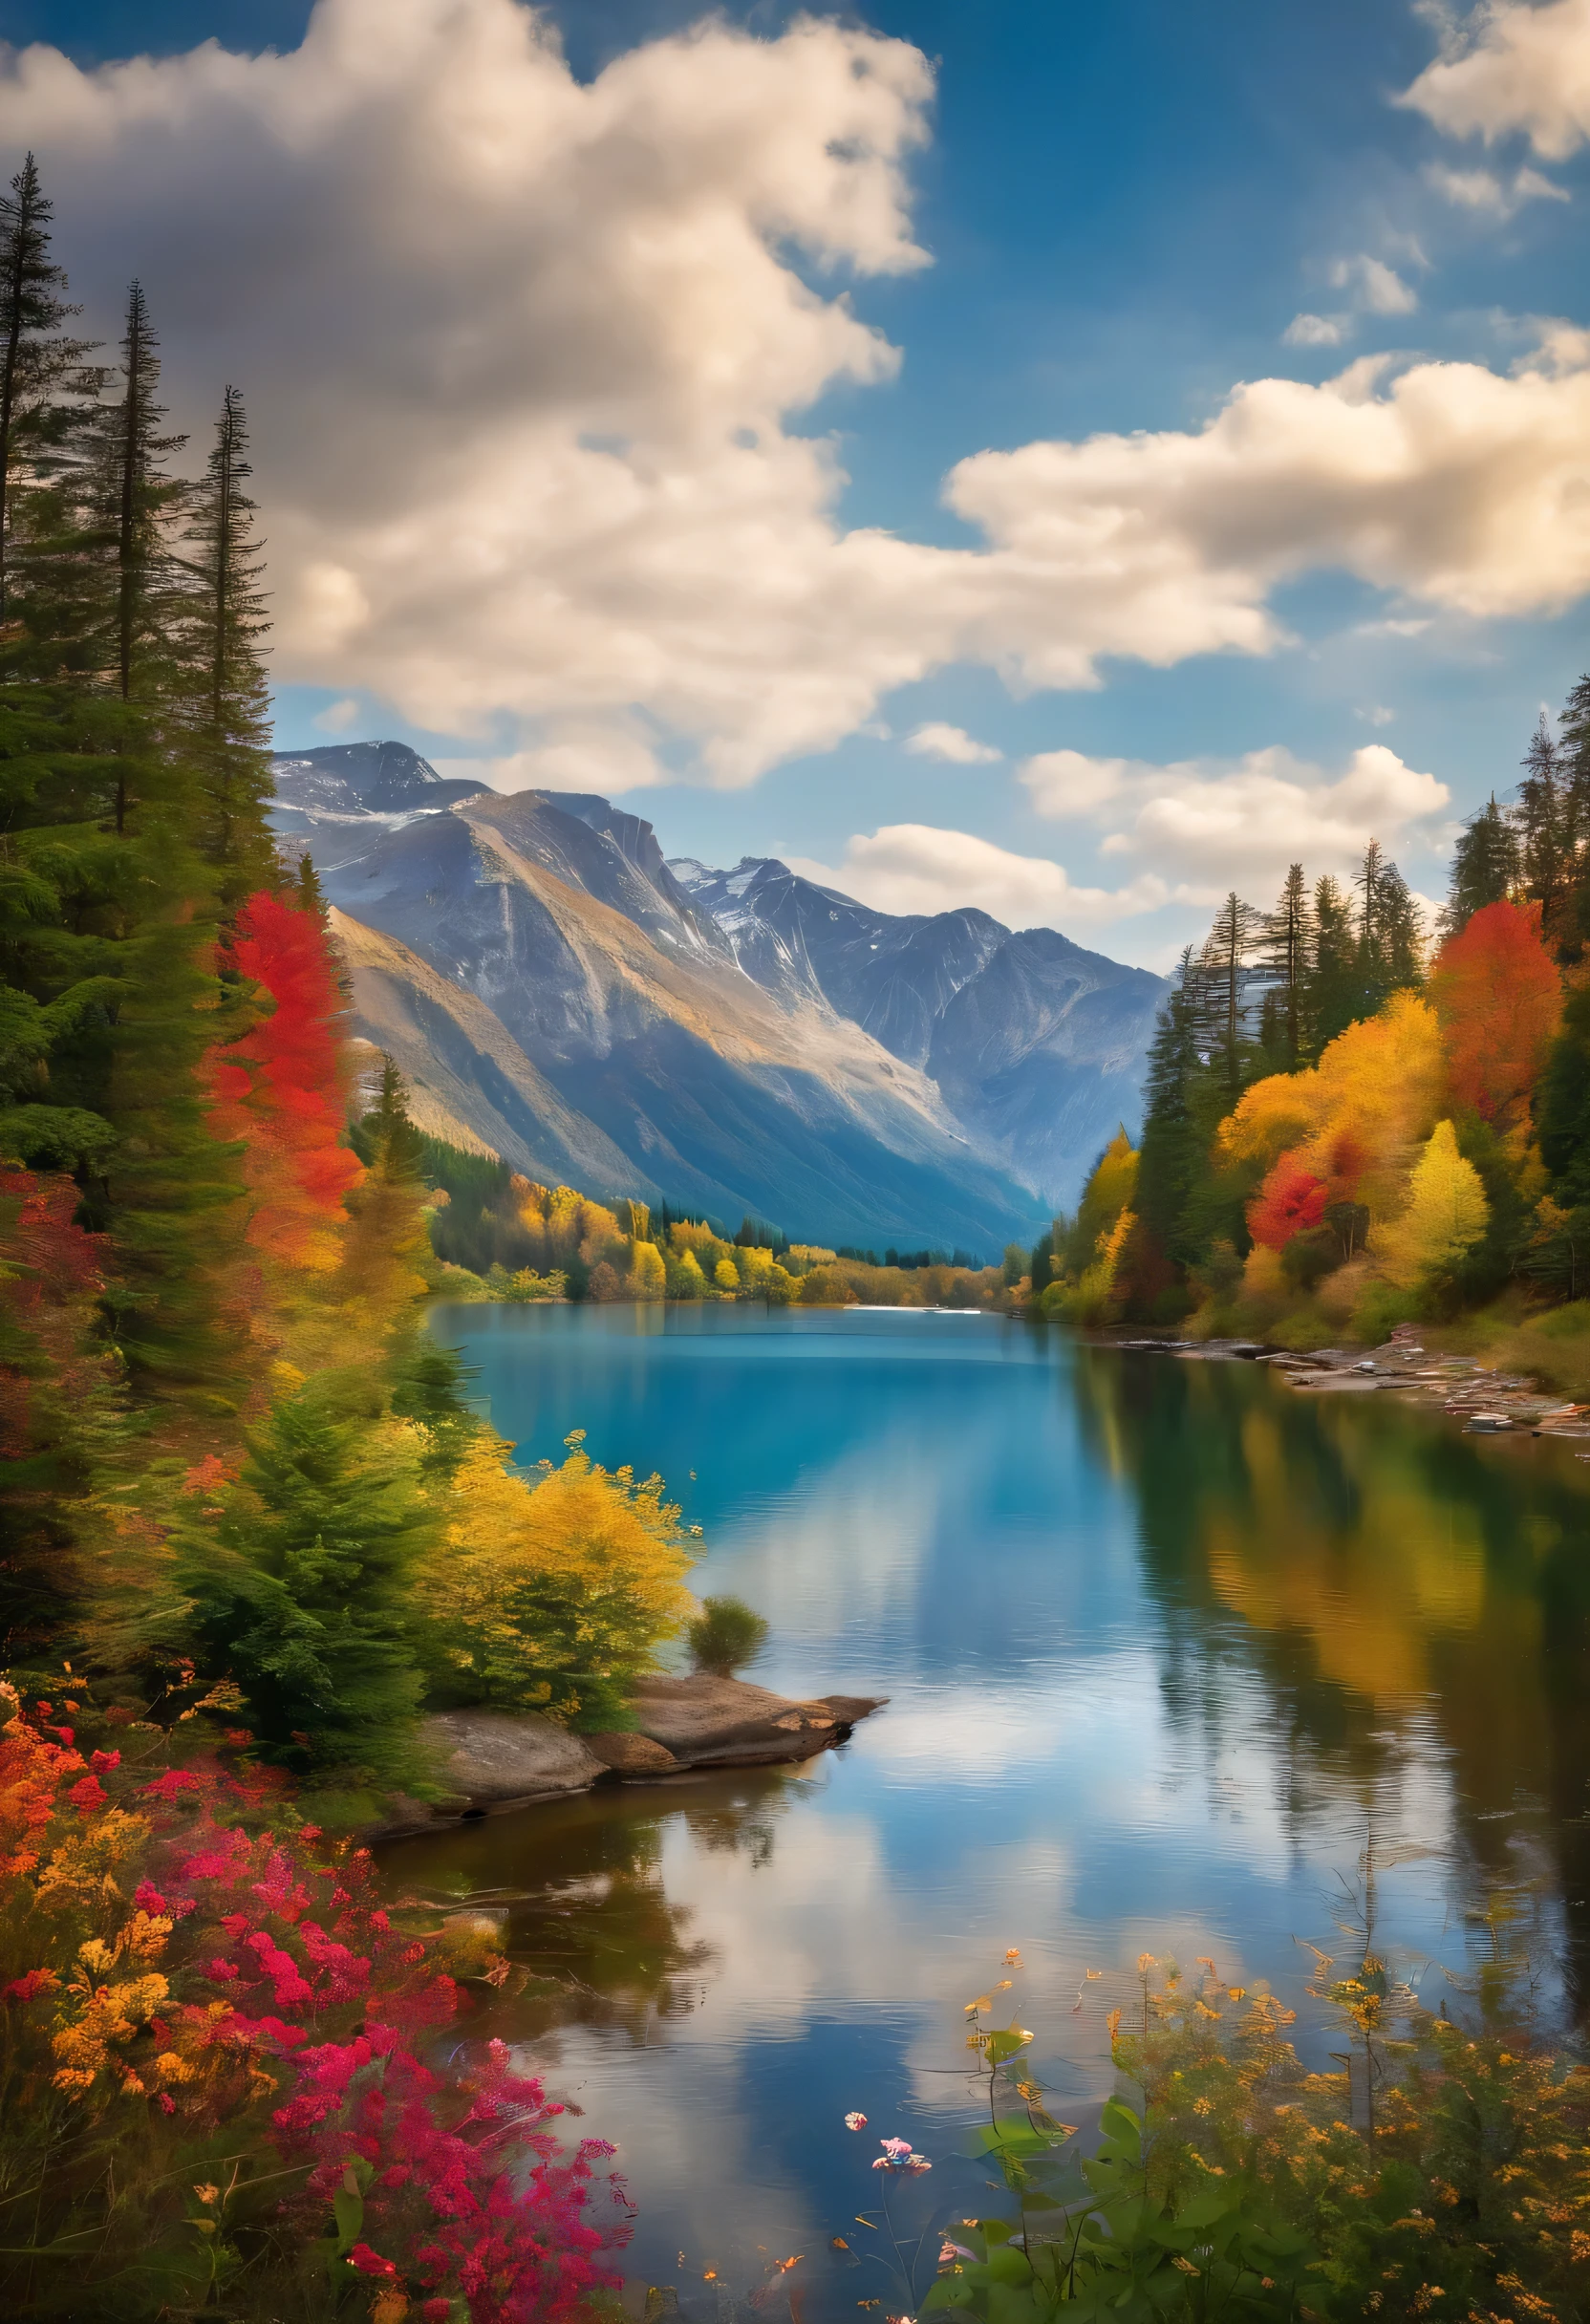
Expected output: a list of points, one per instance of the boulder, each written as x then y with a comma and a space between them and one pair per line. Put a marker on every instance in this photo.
632, 1755
497, 1760
726, 1722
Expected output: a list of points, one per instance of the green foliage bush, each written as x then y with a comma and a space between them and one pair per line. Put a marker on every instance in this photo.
725, 1636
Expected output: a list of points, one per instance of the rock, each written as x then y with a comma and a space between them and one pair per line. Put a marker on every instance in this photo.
499, 1760
725, 1722
628, 1755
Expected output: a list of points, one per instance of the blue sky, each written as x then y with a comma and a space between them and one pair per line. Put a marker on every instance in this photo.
1125, 210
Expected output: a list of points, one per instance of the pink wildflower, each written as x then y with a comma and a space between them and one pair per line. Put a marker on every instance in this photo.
856, 2121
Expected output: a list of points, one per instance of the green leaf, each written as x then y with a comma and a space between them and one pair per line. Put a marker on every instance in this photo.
998, 2047
348, 2210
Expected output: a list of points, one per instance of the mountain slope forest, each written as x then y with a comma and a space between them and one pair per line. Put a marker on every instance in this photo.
1347, 1128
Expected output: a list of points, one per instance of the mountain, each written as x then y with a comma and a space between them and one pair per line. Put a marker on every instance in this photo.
546, 982
1035, 1043
741, 1041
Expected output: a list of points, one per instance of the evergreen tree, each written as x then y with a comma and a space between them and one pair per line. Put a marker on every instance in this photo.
300, 1593
37, 360
1485, 866
226, 622
1545, 835
1222, 987
1574, 763
1334, 987
1171, 1156
1285, 960
1390, 940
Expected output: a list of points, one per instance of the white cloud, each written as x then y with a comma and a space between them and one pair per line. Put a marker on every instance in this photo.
918, 866
337, 716
522, 354
1379, 288
1317, 330
937, 741
1482, 191
1197, 827
1515, 68
1377, 714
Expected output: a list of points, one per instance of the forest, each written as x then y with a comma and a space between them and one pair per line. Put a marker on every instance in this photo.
1348, 1127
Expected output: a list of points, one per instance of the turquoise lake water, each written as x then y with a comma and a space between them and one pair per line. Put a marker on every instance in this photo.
1171, 1651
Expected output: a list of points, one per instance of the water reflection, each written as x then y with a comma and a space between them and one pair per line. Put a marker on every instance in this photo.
1400, 1587
1167, 1644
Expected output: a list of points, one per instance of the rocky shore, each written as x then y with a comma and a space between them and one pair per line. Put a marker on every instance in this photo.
1489, 1403
493, 1760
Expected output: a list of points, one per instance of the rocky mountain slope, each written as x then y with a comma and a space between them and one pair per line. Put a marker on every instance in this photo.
742, 1040
1034, 1043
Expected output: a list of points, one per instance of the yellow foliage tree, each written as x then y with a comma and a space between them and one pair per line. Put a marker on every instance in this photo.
647, 1279
1373, 1096
553, 1591
1447, 1214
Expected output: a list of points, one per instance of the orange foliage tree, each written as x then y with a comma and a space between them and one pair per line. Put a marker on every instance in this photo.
1499, 998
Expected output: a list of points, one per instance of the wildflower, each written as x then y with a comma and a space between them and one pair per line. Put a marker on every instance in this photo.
1014, 1953
207, 2194
856, 2121
370, 2263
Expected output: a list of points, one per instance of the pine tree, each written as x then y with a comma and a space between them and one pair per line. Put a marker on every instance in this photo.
1485, 866
1390, 938
1171, 1157
1545, 837
1335, 992
1574, 763
1285, 959
300, 1593
225, 624
36, 359
1223, 984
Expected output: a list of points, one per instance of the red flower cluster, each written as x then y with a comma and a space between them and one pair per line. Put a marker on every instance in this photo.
256, 1984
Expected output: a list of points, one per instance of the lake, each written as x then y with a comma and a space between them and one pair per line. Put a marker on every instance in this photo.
1173, 1654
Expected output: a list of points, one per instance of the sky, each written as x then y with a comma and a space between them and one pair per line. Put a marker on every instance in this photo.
1066, 460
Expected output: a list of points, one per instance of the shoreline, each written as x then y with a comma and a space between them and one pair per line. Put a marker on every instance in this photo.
1491, 1400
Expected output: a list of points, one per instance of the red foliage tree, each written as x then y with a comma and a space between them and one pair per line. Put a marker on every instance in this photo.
1290, 1200
282, 1090
1499, 998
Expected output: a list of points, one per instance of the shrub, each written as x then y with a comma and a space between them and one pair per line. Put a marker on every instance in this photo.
211, 2091
726, 1635
552, 1591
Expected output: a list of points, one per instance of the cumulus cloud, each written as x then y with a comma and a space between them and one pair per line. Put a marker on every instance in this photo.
918, 866
937, 741
1198, 827
338, 717
1514, 68
524, 356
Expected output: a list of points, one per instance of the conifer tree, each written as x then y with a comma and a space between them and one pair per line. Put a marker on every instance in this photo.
226, 623
36, 358
1223, 984
1485, 866
1285, 959
1335, 993
300, 1593
1545, 834
1171, 1156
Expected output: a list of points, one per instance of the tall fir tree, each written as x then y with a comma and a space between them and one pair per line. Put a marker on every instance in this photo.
37, 358
1545, 832
1223, 987
225, 624
1485, 866
1334, 990
1171, 1156
1285, 951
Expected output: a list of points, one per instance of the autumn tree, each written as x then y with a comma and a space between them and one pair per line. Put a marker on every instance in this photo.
1445, 1215
1499, 997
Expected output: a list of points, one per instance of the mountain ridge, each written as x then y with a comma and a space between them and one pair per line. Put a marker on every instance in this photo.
547, 977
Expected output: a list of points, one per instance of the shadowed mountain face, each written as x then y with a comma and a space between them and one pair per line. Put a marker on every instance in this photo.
742, 1040
1035, 1044
549, 987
